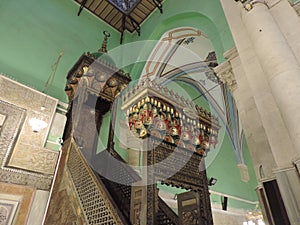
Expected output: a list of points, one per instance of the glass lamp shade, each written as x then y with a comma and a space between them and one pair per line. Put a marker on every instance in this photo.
37, 125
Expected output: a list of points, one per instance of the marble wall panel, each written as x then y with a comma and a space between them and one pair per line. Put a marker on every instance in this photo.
21, 194
38, 208
23, 158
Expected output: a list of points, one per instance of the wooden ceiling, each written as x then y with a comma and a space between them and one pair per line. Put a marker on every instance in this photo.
117, 17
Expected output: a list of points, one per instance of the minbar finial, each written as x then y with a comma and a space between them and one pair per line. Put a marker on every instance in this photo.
104, 43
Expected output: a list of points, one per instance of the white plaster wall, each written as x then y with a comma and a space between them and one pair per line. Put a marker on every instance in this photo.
229, 217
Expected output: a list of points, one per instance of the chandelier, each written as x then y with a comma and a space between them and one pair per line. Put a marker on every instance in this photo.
254, 218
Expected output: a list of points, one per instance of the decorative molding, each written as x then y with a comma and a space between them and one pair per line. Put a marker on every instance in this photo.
19, 196
8, 210
15, 117
225, 74
283, 169
233, 197
96, 75
248, 4
37, 160
296, 6
231, 54
244, 172
224, 70
22, 157
164, 47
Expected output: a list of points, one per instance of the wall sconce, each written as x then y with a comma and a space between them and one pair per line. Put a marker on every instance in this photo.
212, 181
254, 218
37, 125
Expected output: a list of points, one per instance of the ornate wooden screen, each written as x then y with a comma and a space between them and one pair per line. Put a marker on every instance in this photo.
177, 135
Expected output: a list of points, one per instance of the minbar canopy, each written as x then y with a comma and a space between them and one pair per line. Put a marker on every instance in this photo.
157, 111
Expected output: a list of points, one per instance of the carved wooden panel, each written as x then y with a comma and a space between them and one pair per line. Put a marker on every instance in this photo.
165, 215
176, 166
183, 168
194, 208
136, 204
65, 198
96, 75
121, 195
152, 204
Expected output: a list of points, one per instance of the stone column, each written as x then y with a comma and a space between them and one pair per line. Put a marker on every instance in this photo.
288, 21
272, 73
233, 75
258, 89
289, 185
280, 67
282, 72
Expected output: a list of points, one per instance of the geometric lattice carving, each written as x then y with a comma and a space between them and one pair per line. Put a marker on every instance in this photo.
121, 195
120, 179
96, 206
168, 157
194, 207
165, 215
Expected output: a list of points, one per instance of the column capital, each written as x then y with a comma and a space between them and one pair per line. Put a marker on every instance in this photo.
248, 4
231, 54
225, 74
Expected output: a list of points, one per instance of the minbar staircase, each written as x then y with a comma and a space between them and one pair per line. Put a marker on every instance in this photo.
165, 215
121, 193
83, 196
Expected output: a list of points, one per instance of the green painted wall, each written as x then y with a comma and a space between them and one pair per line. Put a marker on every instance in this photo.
224, 168
33, 33
221, 162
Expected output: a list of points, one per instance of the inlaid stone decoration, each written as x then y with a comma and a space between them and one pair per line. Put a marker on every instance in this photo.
2, 118
22, 156
8, 209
